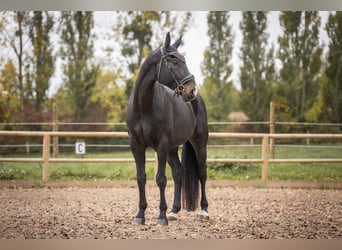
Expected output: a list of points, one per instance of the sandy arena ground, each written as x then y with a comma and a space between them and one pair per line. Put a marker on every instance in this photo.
108, 212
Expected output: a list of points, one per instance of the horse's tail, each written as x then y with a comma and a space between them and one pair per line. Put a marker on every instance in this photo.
190, 182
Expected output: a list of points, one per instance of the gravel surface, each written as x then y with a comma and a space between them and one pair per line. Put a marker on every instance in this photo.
90, 213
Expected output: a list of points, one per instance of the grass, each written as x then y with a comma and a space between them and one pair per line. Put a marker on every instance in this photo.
306, 171
280, 171
216, 171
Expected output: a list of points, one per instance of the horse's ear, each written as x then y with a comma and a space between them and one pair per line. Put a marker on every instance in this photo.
177, 43
167, 40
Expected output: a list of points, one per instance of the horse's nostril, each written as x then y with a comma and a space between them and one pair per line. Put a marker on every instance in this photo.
192, 95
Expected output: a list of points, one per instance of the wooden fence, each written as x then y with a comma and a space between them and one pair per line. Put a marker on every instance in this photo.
265, 159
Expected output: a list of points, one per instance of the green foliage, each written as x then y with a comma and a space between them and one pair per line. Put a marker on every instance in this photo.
9, 100
27, 171
308, 89
217, 89
333, 87
314, 113
300, 54
77, 52
27, 35
13, 36
234, 171
257, 71
109, 96
41, 25
17, 43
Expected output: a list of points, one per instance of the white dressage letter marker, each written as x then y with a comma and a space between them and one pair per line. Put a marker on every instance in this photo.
80, 148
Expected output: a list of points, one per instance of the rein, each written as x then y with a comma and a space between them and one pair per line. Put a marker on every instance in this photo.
180, 82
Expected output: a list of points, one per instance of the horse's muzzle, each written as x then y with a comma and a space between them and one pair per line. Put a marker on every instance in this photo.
192, 95
188, 91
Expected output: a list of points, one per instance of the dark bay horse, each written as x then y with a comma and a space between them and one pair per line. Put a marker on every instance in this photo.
164, 112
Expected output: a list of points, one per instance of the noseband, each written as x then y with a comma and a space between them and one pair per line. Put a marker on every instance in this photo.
180, 82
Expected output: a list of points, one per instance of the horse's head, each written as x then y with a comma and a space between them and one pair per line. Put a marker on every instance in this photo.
173, 72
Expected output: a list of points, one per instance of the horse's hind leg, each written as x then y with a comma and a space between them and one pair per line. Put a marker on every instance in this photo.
175, 164
139, 156
201, 155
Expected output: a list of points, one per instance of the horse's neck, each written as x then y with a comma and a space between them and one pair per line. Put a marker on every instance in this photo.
143, 90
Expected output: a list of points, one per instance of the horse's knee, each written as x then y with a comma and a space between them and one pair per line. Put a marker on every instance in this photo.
161, 180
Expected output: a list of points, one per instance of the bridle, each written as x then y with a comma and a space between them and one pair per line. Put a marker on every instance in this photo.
180, 89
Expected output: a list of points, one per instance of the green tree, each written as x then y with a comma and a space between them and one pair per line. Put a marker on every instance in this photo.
14, 34
140, 31
110, 96
217, 89
41, 25
300, 54
9, 99
333, 87
257, 70
77, 52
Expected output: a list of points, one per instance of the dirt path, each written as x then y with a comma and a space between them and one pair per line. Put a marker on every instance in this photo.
90, 213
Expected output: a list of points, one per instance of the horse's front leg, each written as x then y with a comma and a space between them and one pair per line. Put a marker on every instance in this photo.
161, 182
139, 156
176, 167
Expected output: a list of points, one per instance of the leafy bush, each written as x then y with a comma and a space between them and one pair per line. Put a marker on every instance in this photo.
239, 171
12, 173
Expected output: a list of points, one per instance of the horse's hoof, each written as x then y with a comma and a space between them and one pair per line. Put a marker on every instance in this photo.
163, 222
203, 215
140, 221
172, 216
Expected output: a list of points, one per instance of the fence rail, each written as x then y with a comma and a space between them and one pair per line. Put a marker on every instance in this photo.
265, 159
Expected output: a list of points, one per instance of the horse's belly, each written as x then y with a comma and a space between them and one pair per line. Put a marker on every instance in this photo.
181, 133
174, 134
179, 140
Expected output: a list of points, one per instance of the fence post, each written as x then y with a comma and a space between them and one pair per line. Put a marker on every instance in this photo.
265, 142
55, 128
27, 147
46, 157
272, 130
